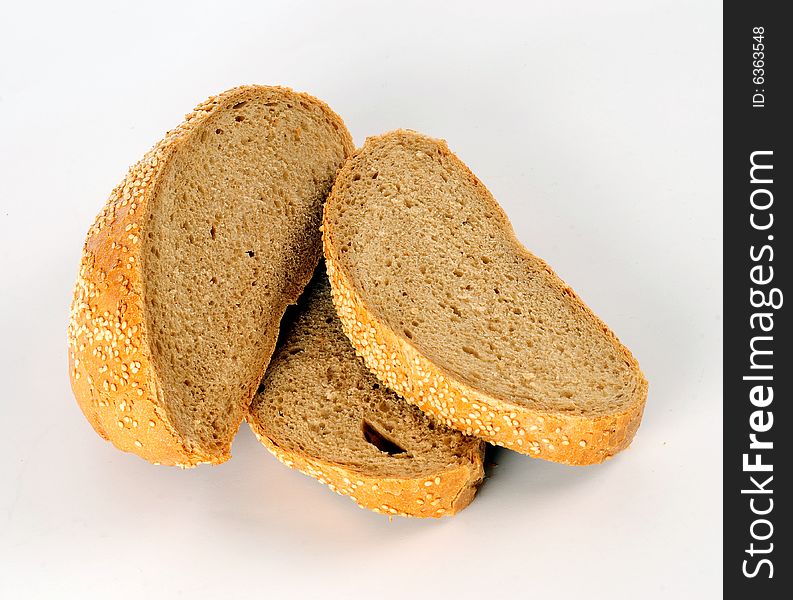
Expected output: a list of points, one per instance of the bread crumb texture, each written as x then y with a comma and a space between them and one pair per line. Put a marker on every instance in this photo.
321, 411
212, 233
449, 310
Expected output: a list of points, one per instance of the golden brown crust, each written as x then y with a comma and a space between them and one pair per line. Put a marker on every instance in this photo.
559, 437
110, 366
439, 495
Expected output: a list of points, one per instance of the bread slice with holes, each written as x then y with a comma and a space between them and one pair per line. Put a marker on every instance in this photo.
321, 411
187, 271
454, 314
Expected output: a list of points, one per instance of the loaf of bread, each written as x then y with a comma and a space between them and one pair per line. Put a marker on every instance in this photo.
187, 271
319, 410
450, 311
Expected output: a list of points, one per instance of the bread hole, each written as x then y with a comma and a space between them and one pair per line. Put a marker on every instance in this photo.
457, 273
218, 131
212, 232
472, 351
375, 174
330, 373
239, 118
356, 177
486, 260
250, 253
260, 389
296, 350
213, 280
375, 386
239, 104
408, 333
379, 440
567, 394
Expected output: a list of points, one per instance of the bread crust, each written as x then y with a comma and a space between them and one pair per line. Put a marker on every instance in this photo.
111, 370
437, 495
555, 436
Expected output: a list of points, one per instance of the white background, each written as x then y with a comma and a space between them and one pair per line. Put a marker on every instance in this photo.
596, 124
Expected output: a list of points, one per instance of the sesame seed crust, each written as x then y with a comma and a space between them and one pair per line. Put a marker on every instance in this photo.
555, 436
439, 495
110, 360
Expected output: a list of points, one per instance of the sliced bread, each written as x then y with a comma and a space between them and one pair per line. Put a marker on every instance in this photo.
319, 410
449, 310
187, 271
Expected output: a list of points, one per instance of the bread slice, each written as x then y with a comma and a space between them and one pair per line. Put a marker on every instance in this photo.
454, 314
188, 269
319, 410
